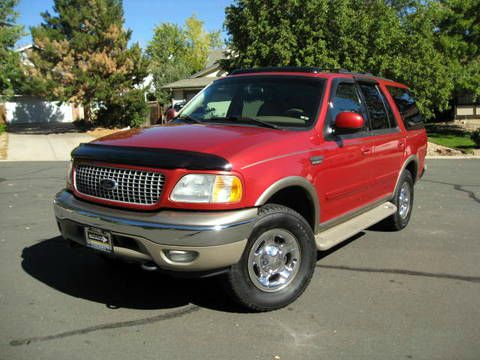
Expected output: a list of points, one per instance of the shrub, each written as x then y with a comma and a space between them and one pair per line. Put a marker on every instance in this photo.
475, 136
128, 109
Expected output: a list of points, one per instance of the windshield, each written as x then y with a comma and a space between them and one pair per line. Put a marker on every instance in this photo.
269, 101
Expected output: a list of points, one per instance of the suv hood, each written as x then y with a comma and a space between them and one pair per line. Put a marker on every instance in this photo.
240, 145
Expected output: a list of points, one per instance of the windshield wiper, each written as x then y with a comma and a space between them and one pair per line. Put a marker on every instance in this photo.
247, 120
188, 118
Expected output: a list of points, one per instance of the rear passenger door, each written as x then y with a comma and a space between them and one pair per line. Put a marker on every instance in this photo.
389, 141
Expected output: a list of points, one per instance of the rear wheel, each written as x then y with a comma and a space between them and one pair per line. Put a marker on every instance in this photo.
278, 261
403, 200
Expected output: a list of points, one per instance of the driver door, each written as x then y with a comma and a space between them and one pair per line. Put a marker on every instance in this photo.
345, 177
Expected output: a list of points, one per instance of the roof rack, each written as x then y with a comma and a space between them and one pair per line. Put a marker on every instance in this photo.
307, 69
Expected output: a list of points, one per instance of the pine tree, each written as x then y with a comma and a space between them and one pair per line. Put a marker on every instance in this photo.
10, 33
83, 55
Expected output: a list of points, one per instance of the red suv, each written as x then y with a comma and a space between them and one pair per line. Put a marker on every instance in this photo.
257, 173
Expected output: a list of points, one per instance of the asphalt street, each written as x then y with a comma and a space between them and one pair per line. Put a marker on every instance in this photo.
413, 294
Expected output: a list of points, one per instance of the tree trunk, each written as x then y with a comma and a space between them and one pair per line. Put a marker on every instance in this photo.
87, 113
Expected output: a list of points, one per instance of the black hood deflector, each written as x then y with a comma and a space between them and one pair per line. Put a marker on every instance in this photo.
150, 157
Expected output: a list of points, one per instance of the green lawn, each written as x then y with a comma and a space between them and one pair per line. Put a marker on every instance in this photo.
451, 136
3, 127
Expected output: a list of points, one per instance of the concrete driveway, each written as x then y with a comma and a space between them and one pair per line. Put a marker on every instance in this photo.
412, 294
45, 147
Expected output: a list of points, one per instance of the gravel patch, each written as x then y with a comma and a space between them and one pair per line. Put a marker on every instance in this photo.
3, 145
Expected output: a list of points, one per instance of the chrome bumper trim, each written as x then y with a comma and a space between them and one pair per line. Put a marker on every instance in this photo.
166, 227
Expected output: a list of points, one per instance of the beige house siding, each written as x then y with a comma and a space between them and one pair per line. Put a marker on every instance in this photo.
186, 89
466, 108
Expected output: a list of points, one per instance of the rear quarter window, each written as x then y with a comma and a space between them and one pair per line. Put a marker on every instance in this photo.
407, 107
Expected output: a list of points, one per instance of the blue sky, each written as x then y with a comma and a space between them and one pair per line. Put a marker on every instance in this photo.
140, 15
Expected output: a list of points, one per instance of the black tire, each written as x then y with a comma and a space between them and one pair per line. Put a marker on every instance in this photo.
396, 221
240, 284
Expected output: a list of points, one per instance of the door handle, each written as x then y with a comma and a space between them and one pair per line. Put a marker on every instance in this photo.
366, 150
316, 160
402, 144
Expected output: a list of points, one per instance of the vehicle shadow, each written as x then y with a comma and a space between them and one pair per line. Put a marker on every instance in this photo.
323, 254
81, 273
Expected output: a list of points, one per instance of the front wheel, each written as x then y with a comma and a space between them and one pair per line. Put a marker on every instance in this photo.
278, 261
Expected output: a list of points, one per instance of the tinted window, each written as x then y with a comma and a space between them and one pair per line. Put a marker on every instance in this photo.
406, 106
375, 106
391, 117
345, 99
282, 100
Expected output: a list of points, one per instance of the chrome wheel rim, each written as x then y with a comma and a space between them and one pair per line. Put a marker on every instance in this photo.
404, 201
274, 260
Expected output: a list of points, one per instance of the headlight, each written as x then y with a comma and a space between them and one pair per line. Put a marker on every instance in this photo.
69, 175
206, 188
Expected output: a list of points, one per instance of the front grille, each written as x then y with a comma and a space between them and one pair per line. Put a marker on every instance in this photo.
130, 186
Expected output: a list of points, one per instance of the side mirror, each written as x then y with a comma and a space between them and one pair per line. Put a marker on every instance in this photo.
348, 122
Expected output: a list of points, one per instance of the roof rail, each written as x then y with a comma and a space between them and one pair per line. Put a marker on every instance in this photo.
277, 69
307, 69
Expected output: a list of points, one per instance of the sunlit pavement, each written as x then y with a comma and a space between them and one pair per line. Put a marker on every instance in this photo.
407, 295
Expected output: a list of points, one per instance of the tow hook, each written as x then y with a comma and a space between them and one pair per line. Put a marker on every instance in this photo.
149, 266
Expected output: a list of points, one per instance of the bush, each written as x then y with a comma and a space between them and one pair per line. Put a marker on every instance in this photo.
128, 109
3, 127
82, 125
475, 136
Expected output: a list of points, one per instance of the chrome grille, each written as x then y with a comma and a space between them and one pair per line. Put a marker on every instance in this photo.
132, 186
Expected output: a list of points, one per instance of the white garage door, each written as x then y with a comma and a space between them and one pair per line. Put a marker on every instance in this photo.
26, 109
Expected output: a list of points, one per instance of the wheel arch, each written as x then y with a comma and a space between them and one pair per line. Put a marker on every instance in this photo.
410, 164
289, 191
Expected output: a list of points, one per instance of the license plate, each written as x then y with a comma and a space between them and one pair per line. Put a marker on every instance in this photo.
98, 239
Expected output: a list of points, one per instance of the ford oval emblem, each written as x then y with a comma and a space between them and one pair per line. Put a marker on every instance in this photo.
108, 184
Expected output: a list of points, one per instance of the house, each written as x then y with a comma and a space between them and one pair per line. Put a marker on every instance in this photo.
22, 109
466, 108
186, 89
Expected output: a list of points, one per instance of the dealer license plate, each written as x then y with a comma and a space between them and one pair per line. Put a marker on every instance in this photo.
98, 239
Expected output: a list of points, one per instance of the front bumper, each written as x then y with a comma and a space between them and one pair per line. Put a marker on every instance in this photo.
218, 237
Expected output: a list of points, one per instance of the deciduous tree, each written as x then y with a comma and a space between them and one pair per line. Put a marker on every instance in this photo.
458, 33
395, 39
177, 52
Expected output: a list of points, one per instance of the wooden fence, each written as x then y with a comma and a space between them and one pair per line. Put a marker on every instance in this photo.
3, 114
155, 115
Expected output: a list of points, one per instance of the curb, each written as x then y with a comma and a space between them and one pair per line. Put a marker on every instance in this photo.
440, 157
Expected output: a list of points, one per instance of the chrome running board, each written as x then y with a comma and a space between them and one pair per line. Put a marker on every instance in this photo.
341, 232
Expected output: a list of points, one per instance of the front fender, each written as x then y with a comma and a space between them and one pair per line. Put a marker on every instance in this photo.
291, 181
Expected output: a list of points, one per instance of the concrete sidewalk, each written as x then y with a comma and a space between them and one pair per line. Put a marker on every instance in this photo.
27, 147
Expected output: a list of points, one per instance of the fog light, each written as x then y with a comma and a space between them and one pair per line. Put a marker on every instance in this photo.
181, 256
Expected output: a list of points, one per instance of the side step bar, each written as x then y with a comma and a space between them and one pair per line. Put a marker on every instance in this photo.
335, 235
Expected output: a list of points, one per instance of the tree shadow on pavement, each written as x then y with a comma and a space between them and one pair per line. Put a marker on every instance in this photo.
42, 128
81, 273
